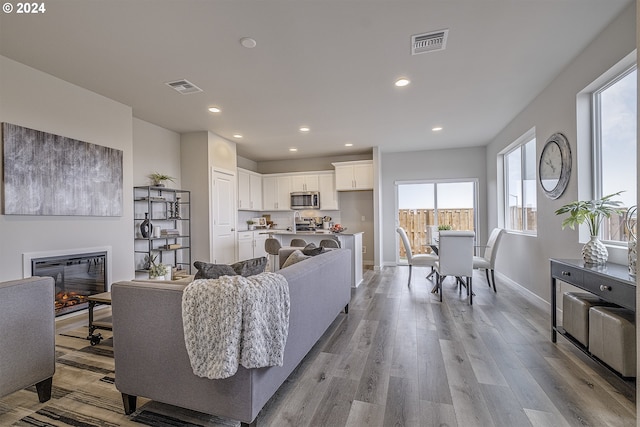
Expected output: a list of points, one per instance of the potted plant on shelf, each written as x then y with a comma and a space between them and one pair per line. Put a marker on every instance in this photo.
157, 271
157, 179
591, 212
251, 224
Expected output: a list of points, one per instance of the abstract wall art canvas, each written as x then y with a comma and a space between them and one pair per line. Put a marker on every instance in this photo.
46, 174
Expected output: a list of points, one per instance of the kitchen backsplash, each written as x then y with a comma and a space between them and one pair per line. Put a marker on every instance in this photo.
285, 219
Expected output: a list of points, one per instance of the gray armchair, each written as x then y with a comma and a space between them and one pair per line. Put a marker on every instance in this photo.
27, 335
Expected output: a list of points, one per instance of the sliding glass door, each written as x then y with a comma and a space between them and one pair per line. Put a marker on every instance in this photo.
426, 206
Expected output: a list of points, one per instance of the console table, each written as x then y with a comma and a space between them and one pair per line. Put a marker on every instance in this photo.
611, 282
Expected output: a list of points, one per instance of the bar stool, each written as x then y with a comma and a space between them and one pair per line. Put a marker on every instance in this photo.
272, 247
298, 243
329, 243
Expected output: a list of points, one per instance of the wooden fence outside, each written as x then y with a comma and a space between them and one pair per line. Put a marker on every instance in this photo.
419, 225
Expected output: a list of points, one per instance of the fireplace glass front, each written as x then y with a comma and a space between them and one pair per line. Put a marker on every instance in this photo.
76, 277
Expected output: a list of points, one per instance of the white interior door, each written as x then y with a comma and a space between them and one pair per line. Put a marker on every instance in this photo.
224, 217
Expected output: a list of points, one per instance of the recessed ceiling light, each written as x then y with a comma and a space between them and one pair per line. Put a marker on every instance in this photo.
293, 149
437, 128
402, 82
237, 135
248, 42
304, 129
214, 109
348, 144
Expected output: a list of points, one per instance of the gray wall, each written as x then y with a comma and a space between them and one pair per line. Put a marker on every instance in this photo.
525, 259
354, 205
155, 149
428, 165
305, 165
40, 101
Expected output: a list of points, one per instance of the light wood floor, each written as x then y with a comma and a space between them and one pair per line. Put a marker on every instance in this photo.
402, 358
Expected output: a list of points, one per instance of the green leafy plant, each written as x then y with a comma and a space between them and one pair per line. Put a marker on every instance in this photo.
156, 270
591, 212
444, 227
158, 178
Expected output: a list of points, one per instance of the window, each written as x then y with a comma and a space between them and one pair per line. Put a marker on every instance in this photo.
520, 185
424, 206
614, 130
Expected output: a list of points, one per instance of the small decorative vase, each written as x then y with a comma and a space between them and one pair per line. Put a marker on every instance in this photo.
145, 226
595, 252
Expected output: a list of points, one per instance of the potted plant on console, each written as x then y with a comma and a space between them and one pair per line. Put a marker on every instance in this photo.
591, 212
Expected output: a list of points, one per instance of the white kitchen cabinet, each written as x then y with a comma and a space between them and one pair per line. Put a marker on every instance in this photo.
249, 190
251, 244
245, 245
276, 191
328, 193
356, 175
259, 239
304, 183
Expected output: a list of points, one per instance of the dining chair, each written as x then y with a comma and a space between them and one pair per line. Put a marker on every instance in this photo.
329, 243
455, 258
488, 260
419, 260
272, 247
298, 243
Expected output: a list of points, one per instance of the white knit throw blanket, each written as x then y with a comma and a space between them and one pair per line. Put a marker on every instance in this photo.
235, 320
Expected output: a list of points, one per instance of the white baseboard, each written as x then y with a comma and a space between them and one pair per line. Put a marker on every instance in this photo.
535, 299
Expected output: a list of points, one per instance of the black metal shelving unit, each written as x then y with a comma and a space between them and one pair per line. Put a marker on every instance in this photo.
170, 210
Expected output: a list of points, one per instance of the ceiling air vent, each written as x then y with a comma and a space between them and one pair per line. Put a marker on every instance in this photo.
185, 87
429, 42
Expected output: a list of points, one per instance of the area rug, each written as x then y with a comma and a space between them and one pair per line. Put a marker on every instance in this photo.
84, 394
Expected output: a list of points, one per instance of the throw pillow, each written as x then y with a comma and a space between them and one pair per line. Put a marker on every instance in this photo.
312, 250
296, 256
250, 267
212, 271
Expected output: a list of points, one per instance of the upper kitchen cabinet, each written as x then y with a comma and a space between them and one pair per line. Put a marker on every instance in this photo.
304, 183
249, 190
327, 189
357, 175
276, 192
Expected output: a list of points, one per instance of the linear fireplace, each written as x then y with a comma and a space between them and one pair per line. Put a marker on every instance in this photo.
77, 276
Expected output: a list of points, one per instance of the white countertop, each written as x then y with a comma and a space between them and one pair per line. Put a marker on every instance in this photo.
310, 233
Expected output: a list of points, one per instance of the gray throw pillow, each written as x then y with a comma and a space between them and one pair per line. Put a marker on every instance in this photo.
212, 271
294, 257
312, 250
250, 267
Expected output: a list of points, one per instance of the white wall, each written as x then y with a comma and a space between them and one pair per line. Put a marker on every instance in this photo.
428, 165
40, 101
525, 259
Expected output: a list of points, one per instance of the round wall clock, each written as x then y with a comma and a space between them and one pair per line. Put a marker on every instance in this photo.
555, 166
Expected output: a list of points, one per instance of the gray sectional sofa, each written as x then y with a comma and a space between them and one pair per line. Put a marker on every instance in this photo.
151, 359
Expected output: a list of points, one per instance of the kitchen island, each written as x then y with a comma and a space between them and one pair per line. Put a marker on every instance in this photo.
351, 241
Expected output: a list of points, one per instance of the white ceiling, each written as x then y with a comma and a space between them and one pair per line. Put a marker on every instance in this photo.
322, 63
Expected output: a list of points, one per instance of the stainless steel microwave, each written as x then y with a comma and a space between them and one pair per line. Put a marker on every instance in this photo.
305, 200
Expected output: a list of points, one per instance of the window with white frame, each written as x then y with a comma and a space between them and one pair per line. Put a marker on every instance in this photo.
520, 202
614, 147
